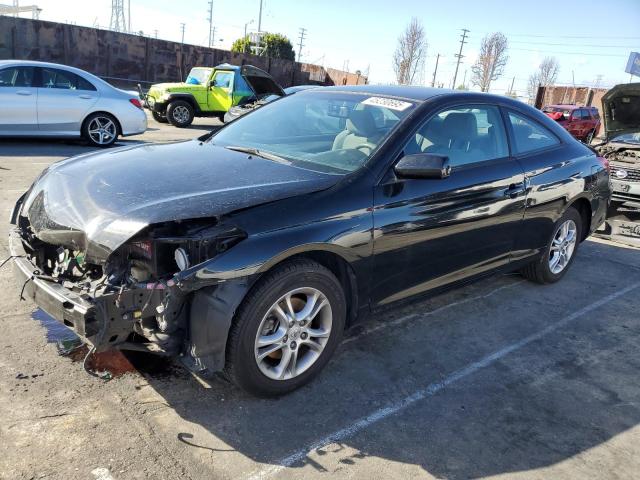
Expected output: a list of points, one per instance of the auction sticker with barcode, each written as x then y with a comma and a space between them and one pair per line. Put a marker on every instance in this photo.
389, 103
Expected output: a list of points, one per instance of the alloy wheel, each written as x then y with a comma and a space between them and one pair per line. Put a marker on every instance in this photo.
563, 246
102, 130
181, 114
293, 333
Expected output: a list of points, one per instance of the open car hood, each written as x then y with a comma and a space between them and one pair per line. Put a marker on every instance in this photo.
260, 81
98, 201
621, 107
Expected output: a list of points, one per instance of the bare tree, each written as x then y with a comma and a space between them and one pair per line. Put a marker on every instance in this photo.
491, 61
546, 75
408, 59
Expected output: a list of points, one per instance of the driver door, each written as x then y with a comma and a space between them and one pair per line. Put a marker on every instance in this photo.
433, 232
220, 95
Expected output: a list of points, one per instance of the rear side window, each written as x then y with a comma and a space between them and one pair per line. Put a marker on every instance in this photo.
63, 80
529, 135
16, 77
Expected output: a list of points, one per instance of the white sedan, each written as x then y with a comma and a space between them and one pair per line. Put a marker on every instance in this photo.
40, 99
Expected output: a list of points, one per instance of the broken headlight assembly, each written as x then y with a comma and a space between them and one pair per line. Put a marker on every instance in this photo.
165, 250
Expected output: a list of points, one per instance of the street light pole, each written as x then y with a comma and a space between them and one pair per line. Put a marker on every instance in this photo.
246, 40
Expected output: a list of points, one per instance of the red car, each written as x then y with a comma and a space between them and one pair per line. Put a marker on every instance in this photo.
581, 122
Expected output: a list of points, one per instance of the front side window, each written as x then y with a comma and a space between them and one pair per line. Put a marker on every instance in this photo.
63, 80
529, 135
16, 77
327, 132
466, 134
223, 79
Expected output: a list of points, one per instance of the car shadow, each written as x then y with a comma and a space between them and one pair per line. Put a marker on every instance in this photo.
539, 405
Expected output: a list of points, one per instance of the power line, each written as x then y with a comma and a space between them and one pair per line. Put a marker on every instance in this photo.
580, 45
568, 53
459, 55
303, 31
571, 36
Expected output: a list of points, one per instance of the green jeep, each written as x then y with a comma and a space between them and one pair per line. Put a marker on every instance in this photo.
209, 92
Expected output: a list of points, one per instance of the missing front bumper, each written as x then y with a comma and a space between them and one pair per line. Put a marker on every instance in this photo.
104, 320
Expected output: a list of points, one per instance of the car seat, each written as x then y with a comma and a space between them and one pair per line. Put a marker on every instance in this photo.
360, 130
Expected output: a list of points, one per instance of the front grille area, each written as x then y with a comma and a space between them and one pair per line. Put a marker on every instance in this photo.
633, 174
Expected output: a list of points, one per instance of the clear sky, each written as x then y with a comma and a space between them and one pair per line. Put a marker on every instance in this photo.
589, 38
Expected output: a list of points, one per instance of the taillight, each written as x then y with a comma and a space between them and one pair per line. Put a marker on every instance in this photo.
136, 103
604, 162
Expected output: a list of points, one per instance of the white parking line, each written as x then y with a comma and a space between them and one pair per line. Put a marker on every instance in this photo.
430, 389
413, 316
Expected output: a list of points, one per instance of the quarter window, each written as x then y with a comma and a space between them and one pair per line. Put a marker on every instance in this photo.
529, 135
63, 80
16, 77
466, 134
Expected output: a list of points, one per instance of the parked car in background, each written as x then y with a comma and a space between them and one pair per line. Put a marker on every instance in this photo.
621, 145
40, 99
209, 92
581, 122
239, 110
249, 250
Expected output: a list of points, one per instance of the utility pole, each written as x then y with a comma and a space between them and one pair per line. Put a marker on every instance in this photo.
464, 79
210, 18
511, 88
435, 70
260, 18
182, 27
303, 31
155, 32
459, 55
129, 15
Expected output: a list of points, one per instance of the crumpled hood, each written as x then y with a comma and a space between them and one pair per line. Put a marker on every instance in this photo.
621, 107
96, 202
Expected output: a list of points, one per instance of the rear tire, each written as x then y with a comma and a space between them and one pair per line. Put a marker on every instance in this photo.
180, 113
553, 265
158, 117
100, 129
269, 352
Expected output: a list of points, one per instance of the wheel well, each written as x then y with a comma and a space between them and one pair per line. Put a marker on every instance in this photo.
187, 98
118, 126
583, 207
343, 272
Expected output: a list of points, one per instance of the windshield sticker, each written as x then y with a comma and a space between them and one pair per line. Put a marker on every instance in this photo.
389, 103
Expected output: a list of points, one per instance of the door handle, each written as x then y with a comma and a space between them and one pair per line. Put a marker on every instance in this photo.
515, 190
86, 97
23, 92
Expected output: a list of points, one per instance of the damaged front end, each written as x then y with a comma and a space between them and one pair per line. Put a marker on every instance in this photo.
139, 298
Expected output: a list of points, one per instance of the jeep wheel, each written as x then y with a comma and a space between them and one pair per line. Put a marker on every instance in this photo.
286, 329
180, 113
158, 117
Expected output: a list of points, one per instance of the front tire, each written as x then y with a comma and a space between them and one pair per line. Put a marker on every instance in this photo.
100, 130
561, 251
180, 113
286, 330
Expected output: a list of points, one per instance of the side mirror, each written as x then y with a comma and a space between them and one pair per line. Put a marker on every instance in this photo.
423, 165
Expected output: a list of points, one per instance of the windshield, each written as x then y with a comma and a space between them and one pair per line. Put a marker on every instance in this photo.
198, 75
328, 132
633, 138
